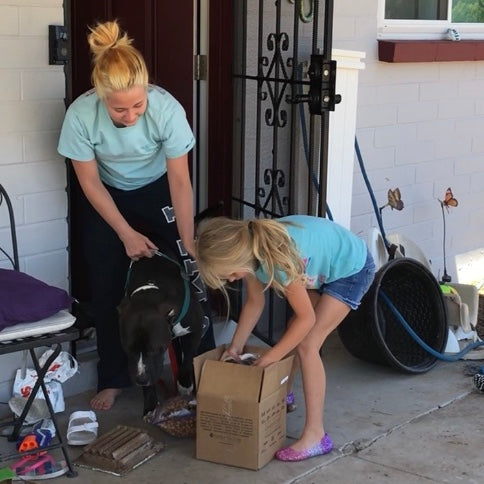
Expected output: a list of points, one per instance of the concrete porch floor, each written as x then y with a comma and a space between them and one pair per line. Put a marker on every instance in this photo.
387, 427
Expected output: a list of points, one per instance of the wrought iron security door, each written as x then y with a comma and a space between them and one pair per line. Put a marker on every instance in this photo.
284, 81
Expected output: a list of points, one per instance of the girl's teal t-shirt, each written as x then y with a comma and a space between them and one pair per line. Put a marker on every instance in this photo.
133, 156
329, 251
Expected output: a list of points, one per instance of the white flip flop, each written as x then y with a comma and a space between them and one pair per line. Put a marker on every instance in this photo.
82, 429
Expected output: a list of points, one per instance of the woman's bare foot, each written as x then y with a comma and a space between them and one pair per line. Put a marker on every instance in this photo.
105, 399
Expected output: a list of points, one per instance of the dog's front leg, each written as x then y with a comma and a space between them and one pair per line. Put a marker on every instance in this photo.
188, 345
150, 399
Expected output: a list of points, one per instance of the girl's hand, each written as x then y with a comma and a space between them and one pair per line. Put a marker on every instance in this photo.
231, 352
265, 360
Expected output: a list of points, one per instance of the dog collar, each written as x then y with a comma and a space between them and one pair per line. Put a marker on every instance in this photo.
150, 285
184, 276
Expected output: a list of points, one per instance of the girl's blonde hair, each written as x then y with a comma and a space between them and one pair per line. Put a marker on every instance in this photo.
225, 246
117, 65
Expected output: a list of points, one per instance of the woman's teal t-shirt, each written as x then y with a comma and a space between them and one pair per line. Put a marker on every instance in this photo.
328, 250
133, 156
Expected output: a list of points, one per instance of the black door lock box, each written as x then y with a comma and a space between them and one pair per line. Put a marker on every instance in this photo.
58, 48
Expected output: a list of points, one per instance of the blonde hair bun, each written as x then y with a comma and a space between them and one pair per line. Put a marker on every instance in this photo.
117, 64
106, 36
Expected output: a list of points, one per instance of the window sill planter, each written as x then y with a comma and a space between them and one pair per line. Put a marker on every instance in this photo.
430, 50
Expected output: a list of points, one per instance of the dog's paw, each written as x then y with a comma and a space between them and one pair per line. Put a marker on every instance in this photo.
184, 390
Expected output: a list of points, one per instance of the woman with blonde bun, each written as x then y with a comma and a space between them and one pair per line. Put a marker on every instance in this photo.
128, 142
321, 268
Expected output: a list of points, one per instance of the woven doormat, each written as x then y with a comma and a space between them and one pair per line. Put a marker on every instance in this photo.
119, 451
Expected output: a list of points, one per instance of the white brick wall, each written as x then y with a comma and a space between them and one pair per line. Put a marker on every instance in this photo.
419, 126
32, 106
32, 109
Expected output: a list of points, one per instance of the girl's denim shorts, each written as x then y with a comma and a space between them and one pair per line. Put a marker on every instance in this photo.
351, 289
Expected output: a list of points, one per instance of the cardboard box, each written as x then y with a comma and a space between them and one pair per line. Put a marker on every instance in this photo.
241, 410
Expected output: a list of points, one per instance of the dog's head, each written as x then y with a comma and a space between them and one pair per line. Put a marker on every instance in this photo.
145, 336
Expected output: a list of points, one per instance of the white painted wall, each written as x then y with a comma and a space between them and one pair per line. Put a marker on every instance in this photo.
31, 113
419, 127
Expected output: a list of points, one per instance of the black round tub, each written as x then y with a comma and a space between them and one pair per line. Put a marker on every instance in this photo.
374, 333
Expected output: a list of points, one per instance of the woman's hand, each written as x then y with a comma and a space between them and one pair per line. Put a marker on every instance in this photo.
137, 245
190, 248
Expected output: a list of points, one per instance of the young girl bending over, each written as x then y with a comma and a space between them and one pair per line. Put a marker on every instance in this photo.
321, 268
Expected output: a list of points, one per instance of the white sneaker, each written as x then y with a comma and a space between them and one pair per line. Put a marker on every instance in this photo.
452, 34
46, 424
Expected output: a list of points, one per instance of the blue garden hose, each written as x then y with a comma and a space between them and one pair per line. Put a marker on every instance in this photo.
420, 341
372, 195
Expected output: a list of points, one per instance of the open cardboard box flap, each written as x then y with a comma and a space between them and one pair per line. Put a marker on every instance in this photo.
275, 376
214, 377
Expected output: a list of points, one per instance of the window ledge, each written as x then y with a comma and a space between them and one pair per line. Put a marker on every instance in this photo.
430, 50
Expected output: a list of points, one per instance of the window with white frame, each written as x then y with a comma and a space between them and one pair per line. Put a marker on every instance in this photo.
430, 19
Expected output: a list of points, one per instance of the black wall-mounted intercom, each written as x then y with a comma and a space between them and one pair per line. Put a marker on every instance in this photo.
58, 50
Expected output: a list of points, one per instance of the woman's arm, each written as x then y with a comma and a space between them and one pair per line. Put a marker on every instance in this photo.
302, 322
249, 316
136, 244
181, 193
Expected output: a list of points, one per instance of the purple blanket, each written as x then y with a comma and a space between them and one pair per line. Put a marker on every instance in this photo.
24, 298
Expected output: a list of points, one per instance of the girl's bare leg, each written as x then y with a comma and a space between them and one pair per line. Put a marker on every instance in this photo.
329, 314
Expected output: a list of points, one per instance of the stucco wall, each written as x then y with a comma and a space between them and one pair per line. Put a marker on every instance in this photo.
419, 127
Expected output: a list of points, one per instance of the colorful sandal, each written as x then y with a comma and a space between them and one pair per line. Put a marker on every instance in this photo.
288, 454
30, 462
43, 467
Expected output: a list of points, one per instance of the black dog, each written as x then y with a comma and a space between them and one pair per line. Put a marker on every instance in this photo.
160, 307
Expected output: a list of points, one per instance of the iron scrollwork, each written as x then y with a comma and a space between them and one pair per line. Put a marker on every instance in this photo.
277, 43
274, 179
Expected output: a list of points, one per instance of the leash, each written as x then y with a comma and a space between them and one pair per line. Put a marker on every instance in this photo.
184, 276
151, 285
